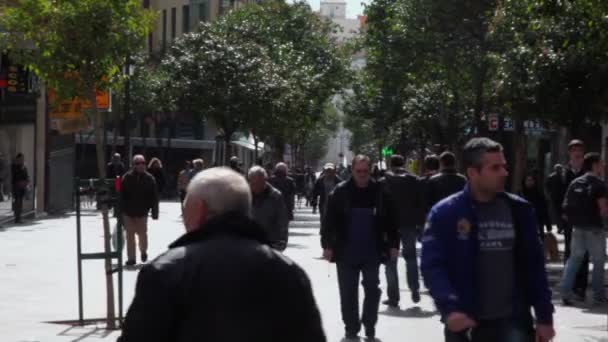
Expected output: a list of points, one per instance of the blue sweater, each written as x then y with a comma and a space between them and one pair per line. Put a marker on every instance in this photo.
449, 258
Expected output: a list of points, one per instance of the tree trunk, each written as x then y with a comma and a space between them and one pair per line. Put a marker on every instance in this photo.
101, 163
479, 82
519, 157
227, 148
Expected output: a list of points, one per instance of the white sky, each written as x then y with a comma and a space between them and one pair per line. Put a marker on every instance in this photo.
353, 7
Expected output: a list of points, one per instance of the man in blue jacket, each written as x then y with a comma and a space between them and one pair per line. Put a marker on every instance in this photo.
482, 258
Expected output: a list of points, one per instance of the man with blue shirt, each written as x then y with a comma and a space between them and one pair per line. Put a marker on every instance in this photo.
357, 230
482, 258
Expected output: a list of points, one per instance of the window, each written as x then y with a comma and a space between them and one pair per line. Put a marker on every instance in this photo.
173, 23
202, 12
185, 19
164, 38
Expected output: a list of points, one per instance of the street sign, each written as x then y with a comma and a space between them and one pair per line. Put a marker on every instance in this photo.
508, 125
493, 122
387, 152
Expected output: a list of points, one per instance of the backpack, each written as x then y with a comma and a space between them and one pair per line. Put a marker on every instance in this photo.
579, 205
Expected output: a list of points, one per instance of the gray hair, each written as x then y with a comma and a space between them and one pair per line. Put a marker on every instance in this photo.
257, 171
222, 190
476, 148
282, 167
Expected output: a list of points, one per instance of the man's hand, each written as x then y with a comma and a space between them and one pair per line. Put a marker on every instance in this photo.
544, 333
458, 322
155, 217
328, 254
394, 252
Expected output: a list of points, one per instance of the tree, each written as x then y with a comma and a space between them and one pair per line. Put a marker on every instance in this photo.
79, 47
226, 81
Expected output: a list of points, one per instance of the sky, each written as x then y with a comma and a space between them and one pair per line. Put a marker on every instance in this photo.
353, 7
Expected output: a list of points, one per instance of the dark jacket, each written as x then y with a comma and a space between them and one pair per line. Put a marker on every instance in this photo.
536, 198
287, 187
19, 178
443, 185
336, 222
222, 283
115, 170
449, 257
159, 178
319, 196
556, 187
406, 196
138, 194
269, 211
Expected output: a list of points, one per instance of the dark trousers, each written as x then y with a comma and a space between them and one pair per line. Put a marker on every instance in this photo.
500, 330
582, 276
408, 250
18, 196
348, 281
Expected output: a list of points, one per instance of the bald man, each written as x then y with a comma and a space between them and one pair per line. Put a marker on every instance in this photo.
221, 281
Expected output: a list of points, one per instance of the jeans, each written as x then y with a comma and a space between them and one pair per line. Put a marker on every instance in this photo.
348, 281
580, 284
408, 243
592, 241
500, 330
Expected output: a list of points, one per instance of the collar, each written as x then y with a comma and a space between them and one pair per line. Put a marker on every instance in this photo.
235, 224
468, 195
449, 171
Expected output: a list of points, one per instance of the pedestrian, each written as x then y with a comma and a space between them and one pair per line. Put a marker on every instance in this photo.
556, 187
286, 185
405, 193
155, 168
482, 260
20, 181
235, 165
138, 196
586, 208
220, 281
323, 187
576, 153
115, 168
431, 166
183, 179
532, 193
197, 166
445, 183
309, 184
356, 233
269, 209
3, 170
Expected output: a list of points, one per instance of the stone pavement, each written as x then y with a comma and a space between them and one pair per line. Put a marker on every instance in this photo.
38, 284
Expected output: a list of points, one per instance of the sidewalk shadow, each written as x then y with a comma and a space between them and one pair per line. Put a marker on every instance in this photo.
360, 339
413, 312
295, 246
80, 333
131, 268
16, 226
301, 234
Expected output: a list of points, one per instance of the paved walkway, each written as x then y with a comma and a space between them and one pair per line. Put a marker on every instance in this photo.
38, 285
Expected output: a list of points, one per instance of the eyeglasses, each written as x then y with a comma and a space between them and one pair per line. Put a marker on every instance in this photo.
140, 163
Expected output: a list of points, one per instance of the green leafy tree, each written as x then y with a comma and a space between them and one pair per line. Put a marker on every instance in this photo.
79, 47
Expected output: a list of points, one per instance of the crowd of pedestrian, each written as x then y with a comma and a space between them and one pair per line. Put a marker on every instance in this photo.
482, 257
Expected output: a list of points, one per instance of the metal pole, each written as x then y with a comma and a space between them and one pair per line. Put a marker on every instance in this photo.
79, 251
119, 231
127, 113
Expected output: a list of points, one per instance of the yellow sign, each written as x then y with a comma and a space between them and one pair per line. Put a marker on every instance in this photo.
74, 109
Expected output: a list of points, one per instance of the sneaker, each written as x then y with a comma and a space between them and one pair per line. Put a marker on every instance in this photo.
390, 303
144, 257
130, 263
566, 301
416, 297
600, 301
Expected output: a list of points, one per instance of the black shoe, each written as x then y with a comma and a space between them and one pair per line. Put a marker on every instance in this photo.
390, 303
351, 336
567, 302
130, 263
370, 333
144, 257
416, 297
